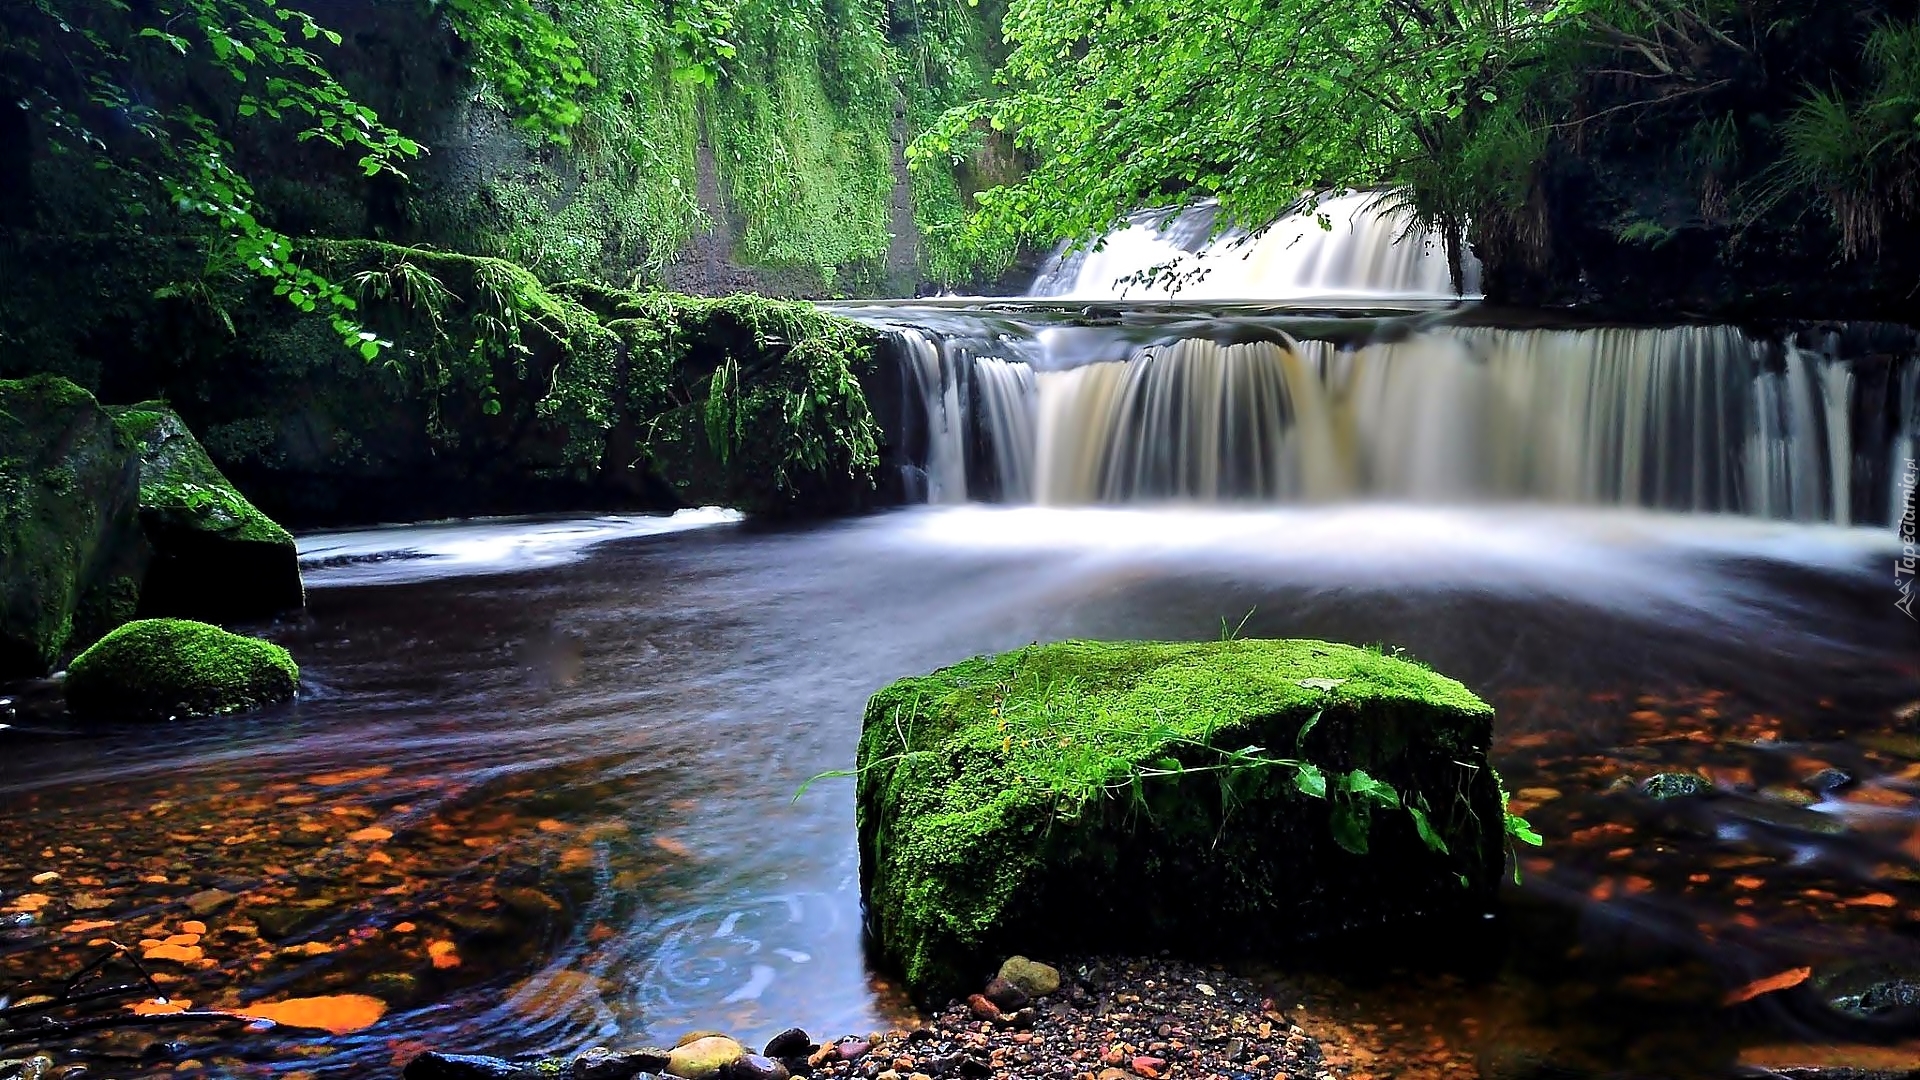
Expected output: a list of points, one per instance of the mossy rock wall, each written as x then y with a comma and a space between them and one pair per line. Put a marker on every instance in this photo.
216, 556
1107, 796
71, 553
497, 393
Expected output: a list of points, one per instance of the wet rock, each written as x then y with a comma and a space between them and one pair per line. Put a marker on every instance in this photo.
215, 555
1031, 977
437, 1066
982, 1009
1150, 1067
208, 901
853, 1048
755, 1067
1665, 786
1827, 780
704, 1058
71, 553
1004, 994
160, 669
1788, 796
600, 1063
792, 1042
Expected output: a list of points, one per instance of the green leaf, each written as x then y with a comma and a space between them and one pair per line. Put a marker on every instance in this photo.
1300, 739
1310, 780
1424, 827
1522, 830
1367, 788
370, 349
1349, 828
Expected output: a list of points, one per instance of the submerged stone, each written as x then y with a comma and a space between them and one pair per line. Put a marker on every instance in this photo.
1676, 785
216, 556
158, 669
71, 555
1213, 796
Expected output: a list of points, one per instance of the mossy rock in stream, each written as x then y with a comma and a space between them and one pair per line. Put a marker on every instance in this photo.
71, 554
159, 669
1211, 798
216, 556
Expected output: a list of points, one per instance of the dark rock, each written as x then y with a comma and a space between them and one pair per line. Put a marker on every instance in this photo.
1004, 994
71, 553
792, 1042
1828, 780
435, 1066
973, 1068
600, 1063
215, 555
1665, 786
755, 1067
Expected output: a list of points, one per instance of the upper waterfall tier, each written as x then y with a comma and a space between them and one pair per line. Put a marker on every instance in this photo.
1354, 245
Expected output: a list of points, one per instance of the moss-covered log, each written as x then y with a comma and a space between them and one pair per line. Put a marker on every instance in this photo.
71, 555
163, 669
1215, 797
216, 556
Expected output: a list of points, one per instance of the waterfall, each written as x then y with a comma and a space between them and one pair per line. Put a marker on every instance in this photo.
1700, 418
1350, 245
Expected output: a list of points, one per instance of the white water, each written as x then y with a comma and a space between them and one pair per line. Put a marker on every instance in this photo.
1348, 246
1689, 418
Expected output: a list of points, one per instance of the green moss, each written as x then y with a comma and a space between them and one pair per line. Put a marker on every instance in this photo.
1062, 792
67, 523
181, 486
158, 669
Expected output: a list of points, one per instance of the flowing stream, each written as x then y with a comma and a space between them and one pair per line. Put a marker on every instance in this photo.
539, 791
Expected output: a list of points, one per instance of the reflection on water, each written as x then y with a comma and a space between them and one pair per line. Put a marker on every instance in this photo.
546, 805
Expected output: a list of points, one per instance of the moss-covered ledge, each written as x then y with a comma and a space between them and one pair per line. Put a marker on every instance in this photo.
216, 556
174, 669
1210, 797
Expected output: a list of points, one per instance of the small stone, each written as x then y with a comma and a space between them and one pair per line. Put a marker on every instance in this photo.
47, 878
792, 1042
433, 1066
1236, 1049
1150, 1067
1676, 785
919, 1076
982, 1009
1034, 979
703, 1058
1824, 781
819, 1058
851, 1049
755, 1067
1005, 994
1111, 1073
601, 1063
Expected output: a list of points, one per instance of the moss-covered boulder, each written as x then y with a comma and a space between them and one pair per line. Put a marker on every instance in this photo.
158, 669
1210, 798
216, 556
71, 555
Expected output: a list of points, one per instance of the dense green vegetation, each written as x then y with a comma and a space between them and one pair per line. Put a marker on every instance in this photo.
1569, 139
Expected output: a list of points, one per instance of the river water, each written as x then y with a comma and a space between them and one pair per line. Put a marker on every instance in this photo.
539, 790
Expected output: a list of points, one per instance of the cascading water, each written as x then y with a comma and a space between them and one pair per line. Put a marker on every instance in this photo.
1349, 245
1383, 387
1691, 418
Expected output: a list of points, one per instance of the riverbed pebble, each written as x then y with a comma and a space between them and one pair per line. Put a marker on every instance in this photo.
1102, 1019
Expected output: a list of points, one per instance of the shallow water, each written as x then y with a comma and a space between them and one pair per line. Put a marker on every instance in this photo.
587, 759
